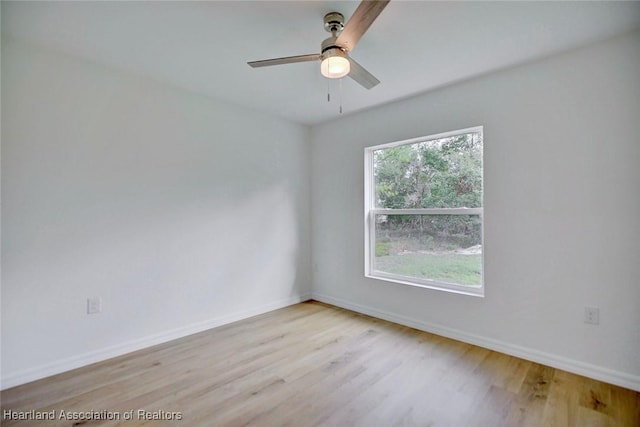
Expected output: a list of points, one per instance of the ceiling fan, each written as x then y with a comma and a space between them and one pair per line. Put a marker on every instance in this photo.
334, 52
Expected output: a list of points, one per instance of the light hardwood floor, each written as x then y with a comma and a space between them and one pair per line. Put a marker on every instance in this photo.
312, 364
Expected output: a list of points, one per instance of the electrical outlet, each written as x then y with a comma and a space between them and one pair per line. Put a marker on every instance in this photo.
94, 305
592, 315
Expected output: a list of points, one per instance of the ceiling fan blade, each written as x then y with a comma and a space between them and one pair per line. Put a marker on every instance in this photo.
362, 18
285, 60
362, 76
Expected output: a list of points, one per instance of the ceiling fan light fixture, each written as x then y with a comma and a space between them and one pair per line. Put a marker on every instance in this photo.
335, 63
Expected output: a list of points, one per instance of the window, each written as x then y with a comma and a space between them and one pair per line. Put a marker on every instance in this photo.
423, 212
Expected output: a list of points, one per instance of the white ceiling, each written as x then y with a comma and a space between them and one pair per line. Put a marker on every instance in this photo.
413, 47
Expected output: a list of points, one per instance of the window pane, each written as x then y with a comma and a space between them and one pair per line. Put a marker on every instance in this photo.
441, 173
443, 248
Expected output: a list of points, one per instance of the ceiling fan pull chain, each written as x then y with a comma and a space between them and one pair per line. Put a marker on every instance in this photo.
328, 90
340, 96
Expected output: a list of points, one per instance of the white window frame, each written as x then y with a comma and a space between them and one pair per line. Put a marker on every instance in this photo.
370, 211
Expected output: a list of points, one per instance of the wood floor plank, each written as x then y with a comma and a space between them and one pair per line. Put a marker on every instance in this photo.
313, 364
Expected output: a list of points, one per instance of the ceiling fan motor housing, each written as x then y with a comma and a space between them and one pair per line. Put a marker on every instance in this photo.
329, 43
330, 48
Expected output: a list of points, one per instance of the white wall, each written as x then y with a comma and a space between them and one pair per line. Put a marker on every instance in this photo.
562, 203
181, 212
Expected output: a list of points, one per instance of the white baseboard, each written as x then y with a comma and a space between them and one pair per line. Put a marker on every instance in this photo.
17, 378
599, 373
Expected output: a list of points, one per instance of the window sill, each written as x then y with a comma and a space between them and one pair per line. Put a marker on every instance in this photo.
475, 291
